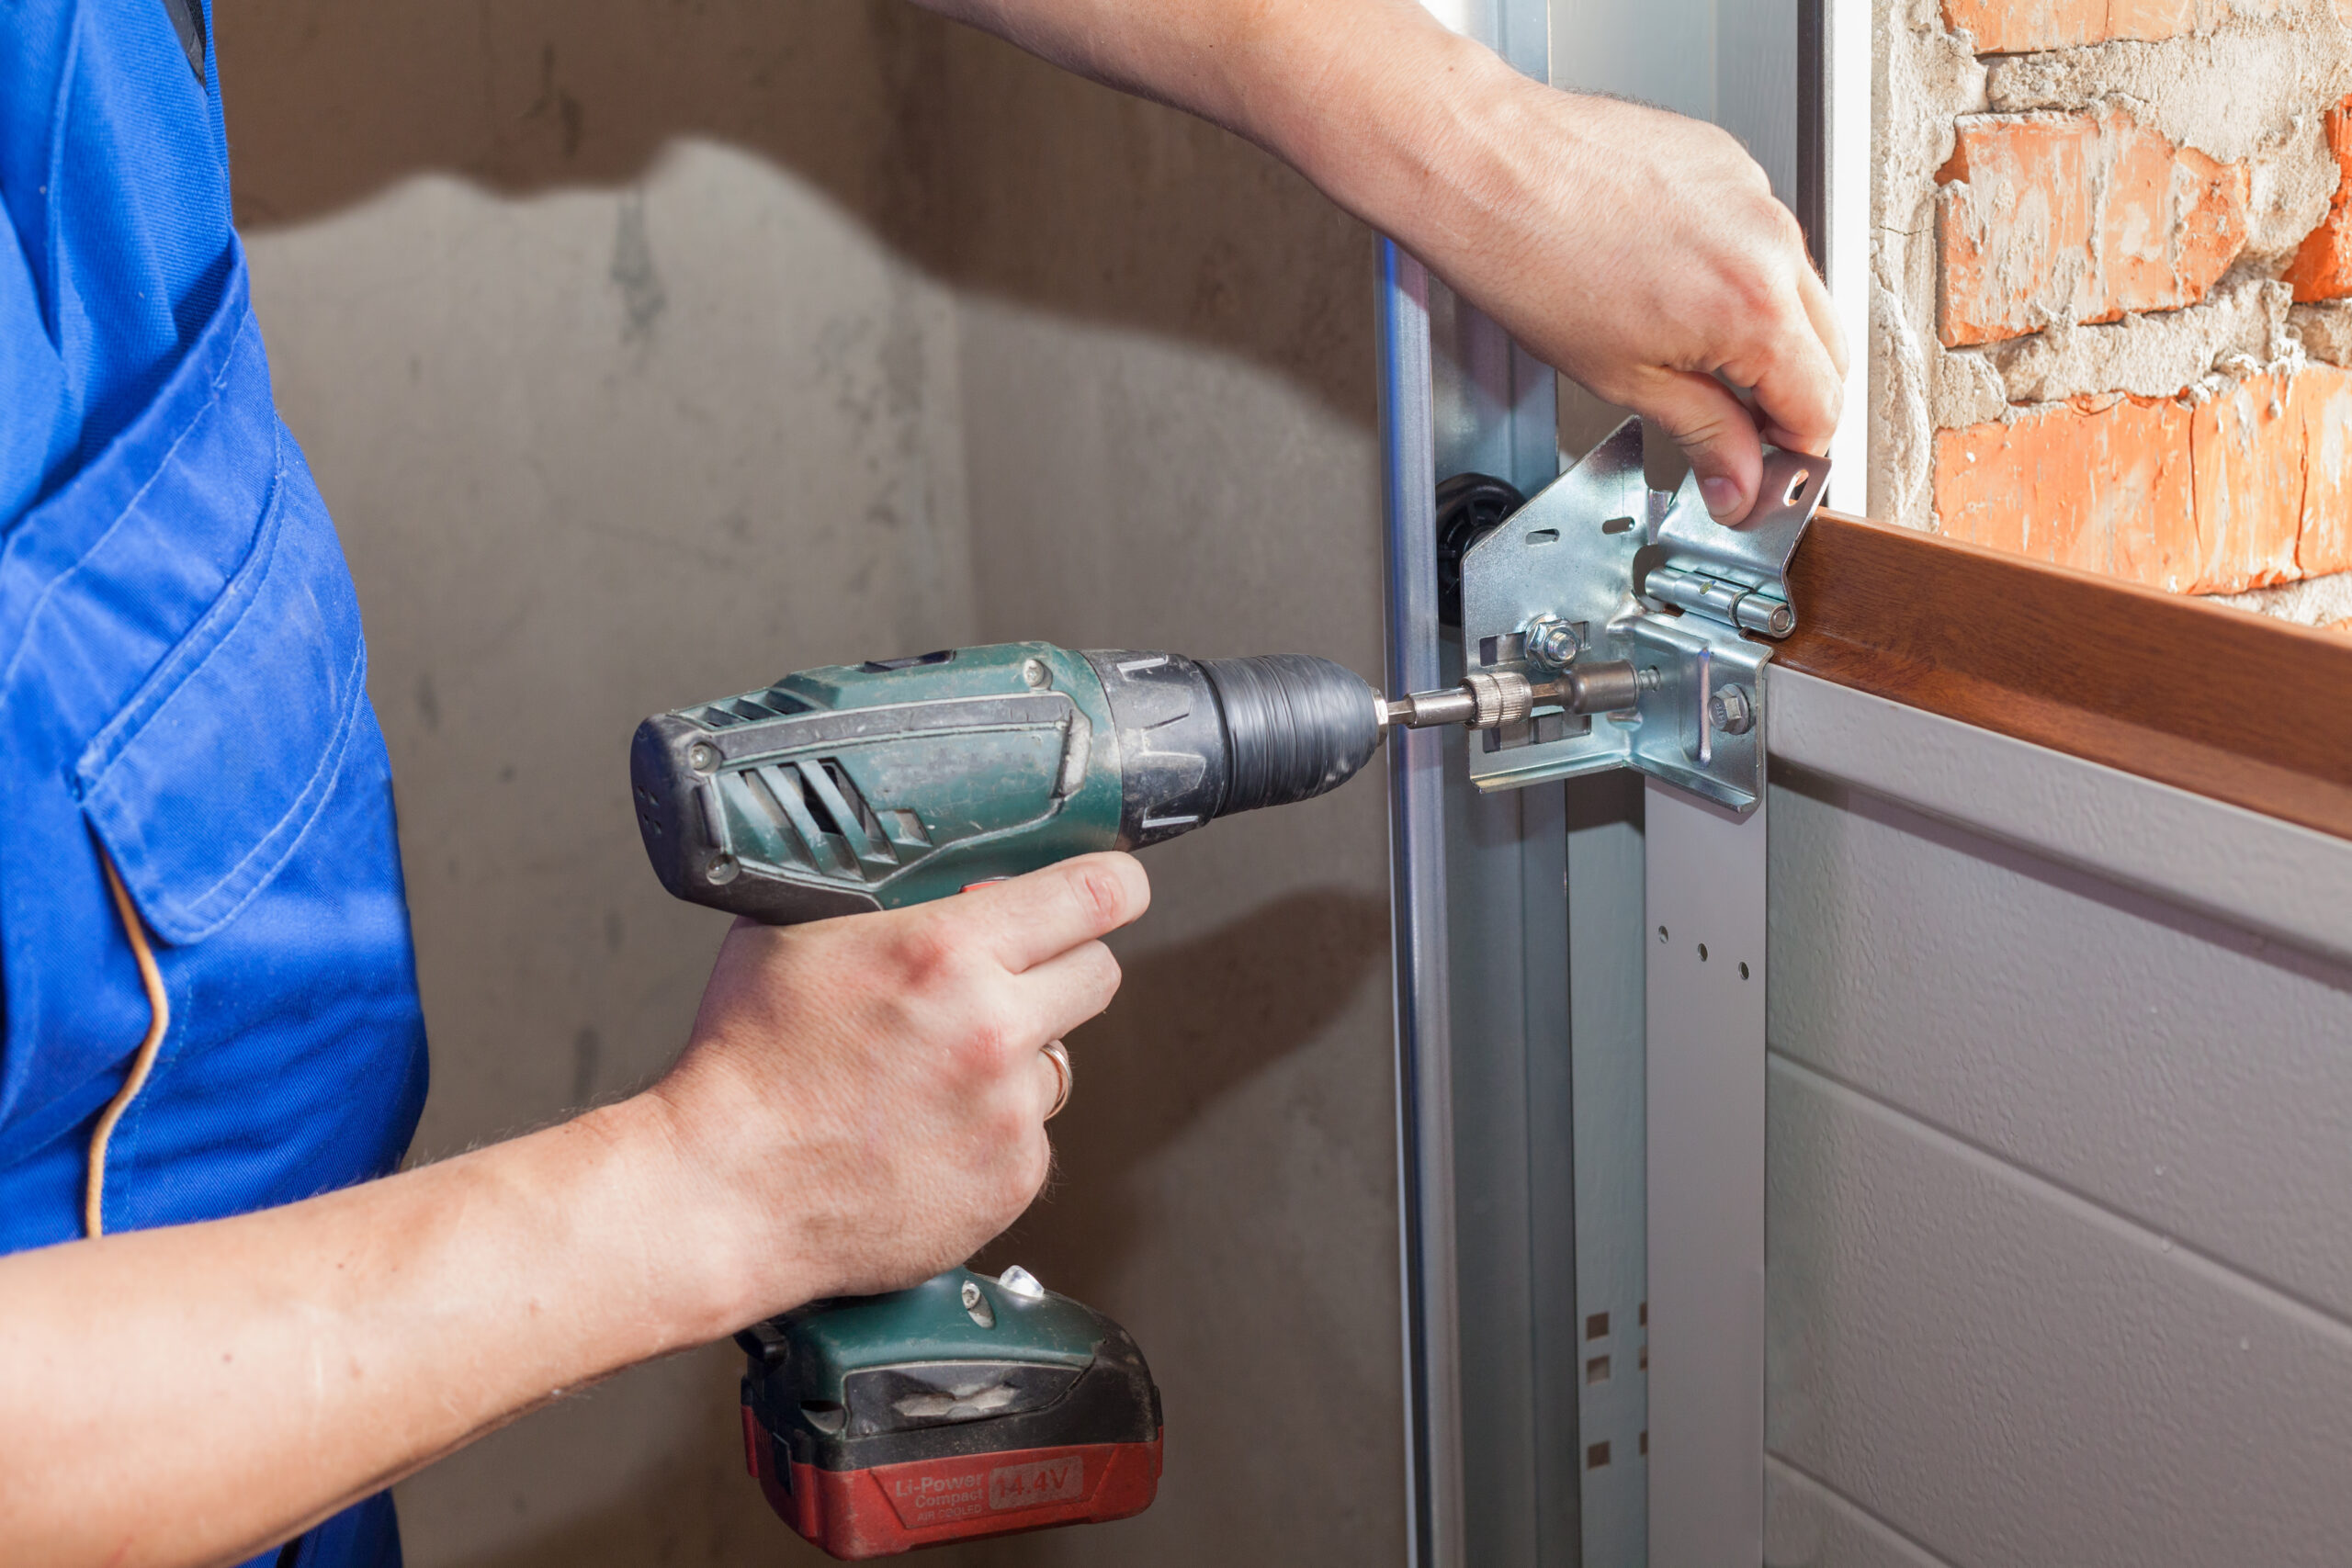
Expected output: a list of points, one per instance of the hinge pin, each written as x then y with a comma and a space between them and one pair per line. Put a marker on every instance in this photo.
1735, 603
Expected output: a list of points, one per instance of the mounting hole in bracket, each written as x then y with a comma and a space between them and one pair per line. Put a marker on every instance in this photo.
1618, 525
1661, 933
1797, 487
1543, 536
1743, 971
1702, 952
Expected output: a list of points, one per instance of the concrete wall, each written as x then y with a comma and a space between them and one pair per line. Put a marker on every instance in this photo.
646, 351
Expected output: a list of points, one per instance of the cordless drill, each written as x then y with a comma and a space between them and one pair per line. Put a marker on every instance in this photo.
968, 1405
971, 1405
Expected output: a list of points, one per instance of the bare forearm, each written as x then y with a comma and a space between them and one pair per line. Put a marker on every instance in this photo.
1640, 253
257, 1373
1364, 96
862, 1103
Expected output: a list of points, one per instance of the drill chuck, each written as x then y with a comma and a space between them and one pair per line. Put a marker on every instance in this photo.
1294, 726
1200, 740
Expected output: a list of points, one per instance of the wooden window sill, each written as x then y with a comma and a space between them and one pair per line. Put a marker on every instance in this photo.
2223, 703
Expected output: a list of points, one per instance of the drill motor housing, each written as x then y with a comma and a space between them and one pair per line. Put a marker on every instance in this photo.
875, 785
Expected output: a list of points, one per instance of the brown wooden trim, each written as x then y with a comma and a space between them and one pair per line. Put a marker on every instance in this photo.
2236, 706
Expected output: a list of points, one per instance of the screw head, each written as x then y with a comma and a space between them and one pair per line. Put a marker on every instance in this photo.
723, 869
1732, 710
1033, 672
702, 756
976, 1303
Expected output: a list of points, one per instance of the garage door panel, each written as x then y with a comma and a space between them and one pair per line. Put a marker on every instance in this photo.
1806, 1525
2179, 1071
2008, 1373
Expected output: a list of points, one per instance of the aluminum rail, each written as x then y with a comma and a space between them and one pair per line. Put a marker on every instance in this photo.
1418, 905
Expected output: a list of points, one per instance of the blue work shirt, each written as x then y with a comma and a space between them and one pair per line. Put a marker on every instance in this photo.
182, 695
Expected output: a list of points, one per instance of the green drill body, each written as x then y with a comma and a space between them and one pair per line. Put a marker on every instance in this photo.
875, 785
863, 786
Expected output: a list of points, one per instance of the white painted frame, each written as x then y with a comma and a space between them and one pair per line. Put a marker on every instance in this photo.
1847, 77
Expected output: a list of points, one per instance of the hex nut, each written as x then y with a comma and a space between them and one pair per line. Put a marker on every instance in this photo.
1552, 642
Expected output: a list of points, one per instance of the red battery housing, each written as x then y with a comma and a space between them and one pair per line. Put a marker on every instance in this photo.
890, 1509
952, 1411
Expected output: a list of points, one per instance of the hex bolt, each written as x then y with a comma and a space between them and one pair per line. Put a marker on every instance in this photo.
1552, 642
1732, 710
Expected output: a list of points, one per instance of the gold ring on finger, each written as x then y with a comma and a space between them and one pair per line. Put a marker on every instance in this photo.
1058, 1055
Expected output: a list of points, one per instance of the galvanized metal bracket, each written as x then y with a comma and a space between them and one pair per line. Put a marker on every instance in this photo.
1598, 568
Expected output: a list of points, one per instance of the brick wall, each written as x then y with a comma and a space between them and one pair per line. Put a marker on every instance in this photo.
2112, 306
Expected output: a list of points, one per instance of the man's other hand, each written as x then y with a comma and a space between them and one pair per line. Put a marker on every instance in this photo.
1639, 252
1643, 254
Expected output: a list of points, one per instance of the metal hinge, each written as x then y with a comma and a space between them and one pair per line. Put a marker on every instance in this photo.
1604, 625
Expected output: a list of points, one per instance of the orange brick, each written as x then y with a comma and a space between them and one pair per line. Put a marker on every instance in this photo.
2013, 27
2323, 394
2100, 484
2323, 267
2049, 217
2016, 210
2149, 20
2246, 451
2209, 200
2248, 487
2024, 27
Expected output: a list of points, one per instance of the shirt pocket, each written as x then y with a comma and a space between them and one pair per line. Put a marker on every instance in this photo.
203, 785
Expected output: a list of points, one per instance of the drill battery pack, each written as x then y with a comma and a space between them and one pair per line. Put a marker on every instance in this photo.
966, 1406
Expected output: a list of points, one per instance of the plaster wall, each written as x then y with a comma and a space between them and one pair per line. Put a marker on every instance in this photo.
646, 351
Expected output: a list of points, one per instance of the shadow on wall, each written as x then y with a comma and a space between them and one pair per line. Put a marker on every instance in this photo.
992, 170
1225, 1005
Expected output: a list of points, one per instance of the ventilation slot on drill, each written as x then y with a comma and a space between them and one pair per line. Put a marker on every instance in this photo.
877, 826
753, 707
819, 819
